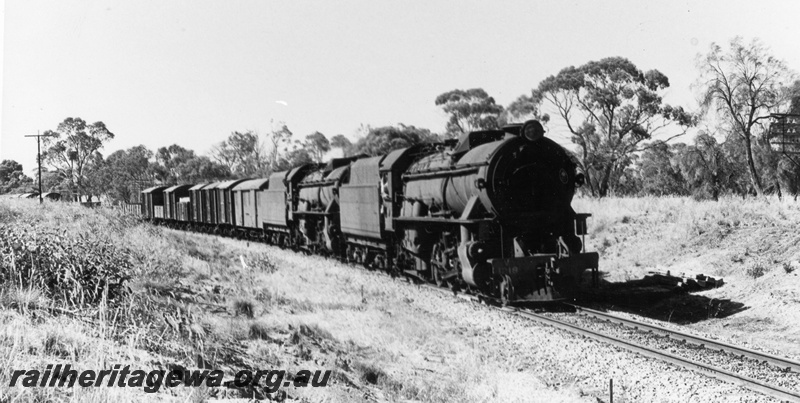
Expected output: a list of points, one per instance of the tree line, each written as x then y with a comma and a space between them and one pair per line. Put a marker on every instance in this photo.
74, 166
623, 134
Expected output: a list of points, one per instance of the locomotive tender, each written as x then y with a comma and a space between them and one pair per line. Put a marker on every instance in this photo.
490, 213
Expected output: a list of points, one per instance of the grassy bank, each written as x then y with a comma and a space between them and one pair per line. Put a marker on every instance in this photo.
754, 244
93, 288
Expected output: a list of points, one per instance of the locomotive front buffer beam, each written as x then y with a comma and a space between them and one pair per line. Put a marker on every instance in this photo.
539, 278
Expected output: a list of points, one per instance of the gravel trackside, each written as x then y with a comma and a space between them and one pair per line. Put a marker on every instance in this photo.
527, 353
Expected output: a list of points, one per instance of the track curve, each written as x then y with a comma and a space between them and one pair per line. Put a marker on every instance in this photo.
756, 385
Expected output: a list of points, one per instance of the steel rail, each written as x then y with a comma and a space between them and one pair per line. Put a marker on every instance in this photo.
717, 373
721, 374
780, 362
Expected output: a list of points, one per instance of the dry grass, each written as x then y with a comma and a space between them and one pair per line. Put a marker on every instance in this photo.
58, 261
652, 232
752, 243
197, 300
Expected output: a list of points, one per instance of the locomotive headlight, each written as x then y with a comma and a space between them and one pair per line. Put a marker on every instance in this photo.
532, 130
580, 179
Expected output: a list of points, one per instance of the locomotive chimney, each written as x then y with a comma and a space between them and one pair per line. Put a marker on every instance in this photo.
532, 130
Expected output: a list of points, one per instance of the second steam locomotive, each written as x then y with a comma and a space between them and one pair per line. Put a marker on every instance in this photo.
490, 213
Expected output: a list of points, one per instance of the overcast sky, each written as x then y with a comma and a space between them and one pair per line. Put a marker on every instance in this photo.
190, 72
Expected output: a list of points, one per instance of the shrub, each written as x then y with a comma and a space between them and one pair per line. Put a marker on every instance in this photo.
260, 331
757, 270
371, 374
21, 299
244, 307
73, 269
311, 332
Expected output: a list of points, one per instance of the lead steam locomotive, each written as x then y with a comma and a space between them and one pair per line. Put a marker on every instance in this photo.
490, 213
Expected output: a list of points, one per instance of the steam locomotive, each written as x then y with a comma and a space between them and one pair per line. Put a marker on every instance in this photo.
489, 213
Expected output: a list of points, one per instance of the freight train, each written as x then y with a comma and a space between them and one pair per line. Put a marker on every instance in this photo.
489, 213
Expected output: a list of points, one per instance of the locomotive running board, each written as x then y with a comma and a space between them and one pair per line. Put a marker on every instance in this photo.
315, 213
442, 221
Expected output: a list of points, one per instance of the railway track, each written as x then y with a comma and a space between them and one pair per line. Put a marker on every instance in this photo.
757, 385
779, 365
779, 362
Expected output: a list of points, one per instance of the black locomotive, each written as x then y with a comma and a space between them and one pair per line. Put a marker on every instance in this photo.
490, 213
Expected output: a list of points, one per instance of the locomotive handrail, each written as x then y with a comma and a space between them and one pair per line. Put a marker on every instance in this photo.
433, 173
457, 166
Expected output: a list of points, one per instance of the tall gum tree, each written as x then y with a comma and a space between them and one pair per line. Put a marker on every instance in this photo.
343, 143
128, 172
383, 140
743, 85
243, 153
611, 108
317, 146
279, 140
168, 160
523, 108
69, 149
469, 110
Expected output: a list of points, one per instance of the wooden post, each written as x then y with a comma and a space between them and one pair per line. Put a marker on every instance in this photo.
39, 158
611, 389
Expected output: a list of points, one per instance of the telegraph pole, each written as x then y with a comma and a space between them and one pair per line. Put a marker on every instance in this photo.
39, 158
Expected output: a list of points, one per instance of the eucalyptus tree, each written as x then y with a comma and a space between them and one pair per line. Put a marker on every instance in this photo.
612, 108
317, 145
168, 161
742, 85
469, 110
382, 140
343, 143
71, 147
523, 108
127, 172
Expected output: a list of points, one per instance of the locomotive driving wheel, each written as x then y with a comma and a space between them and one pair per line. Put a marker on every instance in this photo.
439, 264
506, 290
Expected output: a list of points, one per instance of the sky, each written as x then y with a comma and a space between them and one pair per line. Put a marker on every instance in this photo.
161, 72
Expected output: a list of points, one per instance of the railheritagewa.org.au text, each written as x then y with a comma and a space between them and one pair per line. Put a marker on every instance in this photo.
151, 381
